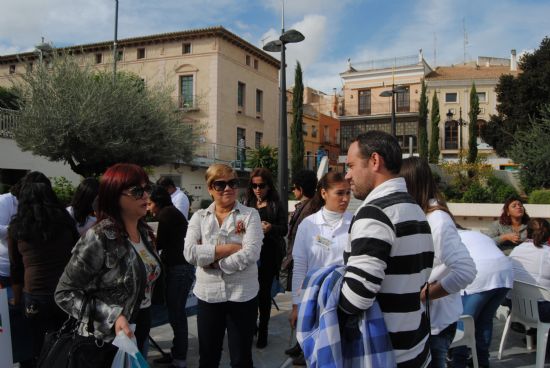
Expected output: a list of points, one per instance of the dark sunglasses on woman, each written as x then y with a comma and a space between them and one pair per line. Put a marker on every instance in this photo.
220, 185
138, 191
256, 186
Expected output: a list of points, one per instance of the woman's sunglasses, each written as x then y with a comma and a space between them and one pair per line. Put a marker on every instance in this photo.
220, 185
138, 191
256, 186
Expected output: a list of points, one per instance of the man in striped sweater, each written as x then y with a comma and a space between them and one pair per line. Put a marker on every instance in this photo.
390, 253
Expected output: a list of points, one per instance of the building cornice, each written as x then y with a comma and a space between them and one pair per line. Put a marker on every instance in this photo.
211, 32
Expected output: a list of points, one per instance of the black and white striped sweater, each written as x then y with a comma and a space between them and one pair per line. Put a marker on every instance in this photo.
389, 257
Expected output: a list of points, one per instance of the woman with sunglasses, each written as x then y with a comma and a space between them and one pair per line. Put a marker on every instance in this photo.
224, 242
114, 265
262, 195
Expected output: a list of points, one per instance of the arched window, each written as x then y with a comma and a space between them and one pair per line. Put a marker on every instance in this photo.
451, 134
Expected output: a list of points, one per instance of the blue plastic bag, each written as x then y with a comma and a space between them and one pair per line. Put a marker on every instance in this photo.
128, 355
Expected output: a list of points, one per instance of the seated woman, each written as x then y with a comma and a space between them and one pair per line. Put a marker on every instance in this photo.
511, 227
483, 296
531, 260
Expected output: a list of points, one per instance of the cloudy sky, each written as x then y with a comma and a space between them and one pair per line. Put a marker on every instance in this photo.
335, 30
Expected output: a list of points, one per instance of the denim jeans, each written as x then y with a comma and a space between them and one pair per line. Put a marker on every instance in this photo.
439, 345
178, 284
482, 307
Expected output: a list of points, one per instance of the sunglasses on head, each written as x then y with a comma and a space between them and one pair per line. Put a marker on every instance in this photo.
256, 186
220, 185
138, 191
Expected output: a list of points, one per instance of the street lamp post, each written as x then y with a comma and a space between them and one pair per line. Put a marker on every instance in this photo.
460, 123
391, 93
290, 36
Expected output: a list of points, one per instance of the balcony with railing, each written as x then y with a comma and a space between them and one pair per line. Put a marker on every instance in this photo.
8, 122
188, 103
382, 108
207, 154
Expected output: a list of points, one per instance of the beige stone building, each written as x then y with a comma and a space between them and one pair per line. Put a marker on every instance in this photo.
453, 85
221, 82
363, 108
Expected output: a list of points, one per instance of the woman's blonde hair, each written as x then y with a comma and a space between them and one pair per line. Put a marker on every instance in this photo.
217, 171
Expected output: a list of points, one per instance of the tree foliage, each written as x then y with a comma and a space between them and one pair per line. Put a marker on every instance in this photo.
434, 119
296, 131
8, 99
264, 156
423, 123
519, 99
473, 127
531, 151
78, 115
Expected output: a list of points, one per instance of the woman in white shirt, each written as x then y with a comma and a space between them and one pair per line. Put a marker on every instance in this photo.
224, 242
453, 268
531, 260
321, 237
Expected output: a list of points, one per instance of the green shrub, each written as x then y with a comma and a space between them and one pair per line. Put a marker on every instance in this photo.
476, 194
499, 191
63, 188
540, 196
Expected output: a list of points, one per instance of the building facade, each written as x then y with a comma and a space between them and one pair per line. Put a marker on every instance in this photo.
453, 85
220, 81
363, 108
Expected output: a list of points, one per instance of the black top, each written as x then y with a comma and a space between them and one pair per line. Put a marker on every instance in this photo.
171, 233
273, 244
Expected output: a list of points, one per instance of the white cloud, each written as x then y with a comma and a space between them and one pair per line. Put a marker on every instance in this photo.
299, 8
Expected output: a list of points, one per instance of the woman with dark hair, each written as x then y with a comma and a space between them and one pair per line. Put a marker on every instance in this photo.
81, 209
171, 231
531, 259
453, 268
263, 196
322, 236
114, 265
40, 239
511, 227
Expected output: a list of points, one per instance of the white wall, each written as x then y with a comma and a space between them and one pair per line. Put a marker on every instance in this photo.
11, 157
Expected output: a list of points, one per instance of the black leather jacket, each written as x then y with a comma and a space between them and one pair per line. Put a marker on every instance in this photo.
108, 269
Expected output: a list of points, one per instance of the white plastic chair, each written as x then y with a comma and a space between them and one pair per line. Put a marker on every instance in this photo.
467, 337
525, 310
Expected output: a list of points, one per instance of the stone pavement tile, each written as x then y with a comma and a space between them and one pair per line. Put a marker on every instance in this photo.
515, 355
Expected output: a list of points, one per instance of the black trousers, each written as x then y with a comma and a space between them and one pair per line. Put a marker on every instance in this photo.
266, 274
240, 321
143, 326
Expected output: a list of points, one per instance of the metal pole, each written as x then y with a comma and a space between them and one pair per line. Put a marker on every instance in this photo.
115, 41
283, 143
393, 123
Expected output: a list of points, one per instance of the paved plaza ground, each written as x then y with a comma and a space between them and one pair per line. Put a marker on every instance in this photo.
515, 355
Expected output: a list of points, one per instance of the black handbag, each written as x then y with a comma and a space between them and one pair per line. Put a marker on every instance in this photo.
67, 349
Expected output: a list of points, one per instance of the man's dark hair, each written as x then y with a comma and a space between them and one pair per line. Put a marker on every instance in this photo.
305, 180
159, 195
166, 182
384, 144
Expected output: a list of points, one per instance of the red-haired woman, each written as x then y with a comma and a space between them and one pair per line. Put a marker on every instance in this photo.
115, 263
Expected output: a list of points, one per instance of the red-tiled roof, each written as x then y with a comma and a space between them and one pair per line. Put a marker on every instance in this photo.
469, 72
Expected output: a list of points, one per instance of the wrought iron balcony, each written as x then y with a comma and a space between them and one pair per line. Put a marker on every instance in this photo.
8, 122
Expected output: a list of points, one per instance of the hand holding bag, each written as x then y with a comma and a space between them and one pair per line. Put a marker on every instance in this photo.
128, 355
67, 349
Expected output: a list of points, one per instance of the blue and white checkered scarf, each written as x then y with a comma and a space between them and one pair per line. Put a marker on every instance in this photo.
330, 338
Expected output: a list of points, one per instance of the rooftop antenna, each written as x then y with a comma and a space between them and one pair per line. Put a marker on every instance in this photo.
465, 38
263, 40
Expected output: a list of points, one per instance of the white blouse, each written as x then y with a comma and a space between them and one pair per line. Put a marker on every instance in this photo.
236, 279
317, 244
531, 264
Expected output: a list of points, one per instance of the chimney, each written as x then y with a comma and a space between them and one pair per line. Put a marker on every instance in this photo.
513, 61
420, 56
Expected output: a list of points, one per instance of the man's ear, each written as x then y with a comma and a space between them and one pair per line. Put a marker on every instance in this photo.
376, 160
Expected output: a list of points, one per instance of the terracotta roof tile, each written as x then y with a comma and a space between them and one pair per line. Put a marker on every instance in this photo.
469, 72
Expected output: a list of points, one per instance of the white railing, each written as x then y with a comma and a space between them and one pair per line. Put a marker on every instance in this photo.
8, 122
207, 154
